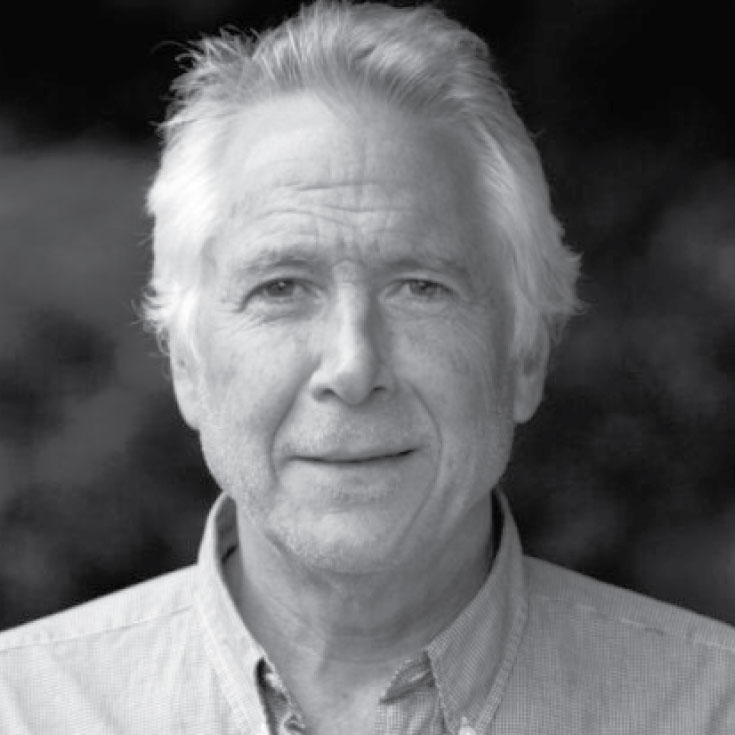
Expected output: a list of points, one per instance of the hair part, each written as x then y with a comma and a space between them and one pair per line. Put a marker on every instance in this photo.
416, 60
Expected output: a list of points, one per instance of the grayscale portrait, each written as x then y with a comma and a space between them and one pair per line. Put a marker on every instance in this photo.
367, 368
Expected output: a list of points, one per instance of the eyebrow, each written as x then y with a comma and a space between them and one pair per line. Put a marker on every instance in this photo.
273, 258
432, 261
253, 265
300, 257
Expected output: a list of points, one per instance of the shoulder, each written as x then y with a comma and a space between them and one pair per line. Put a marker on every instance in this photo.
127, 658
140, 606
555, 591
597, 658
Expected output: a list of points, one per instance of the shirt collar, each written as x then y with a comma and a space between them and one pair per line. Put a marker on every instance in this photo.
470, 660
473, 658
231, 648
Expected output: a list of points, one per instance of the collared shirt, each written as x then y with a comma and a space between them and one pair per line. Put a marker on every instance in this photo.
538, 650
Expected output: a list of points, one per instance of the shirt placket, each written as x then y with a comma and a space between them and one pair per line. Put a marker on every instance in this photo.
410, 705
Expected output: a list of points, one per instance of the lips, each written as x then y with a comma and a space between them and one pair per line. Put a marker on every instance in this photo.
357, 456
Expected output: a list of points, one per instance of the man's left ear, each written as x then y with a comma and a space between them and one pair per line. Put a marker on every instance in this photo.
530, 374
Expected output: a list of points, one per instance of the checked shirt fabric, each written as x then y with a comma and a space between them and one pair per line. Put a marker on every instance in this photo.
539, 650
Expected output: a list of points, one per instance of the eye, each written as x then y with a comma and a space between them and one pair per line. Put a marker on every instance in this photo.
279, 289
280, 297
425, 289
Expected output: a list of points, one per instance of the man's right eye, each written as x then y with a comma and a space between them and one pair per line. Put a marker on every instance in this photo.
281, 288
279, 296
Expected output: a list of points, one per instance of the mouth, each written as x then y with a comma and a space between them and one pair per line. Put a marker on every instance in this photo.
358, 458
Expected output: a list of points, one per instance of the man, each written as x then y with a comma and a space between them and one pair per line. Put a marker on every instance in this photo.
358, 279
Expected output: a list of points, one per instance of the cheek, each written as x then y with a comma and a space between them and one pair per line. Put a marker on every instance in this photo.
463, 377
252, 379
463, 366
248, 389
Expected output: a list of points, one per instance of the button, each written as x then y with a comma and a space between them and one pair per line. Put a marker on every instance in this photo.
465, 728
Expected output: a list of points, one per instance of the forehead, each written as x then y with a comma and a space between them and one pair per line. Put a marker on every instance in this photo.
299, 167
281, 135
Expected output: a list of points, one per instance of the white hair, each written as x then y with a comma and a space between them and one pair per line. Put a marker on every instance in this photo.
417, 60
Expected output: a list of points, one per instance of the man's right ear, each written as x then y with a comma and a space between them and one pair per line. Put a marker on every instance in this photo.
185, 375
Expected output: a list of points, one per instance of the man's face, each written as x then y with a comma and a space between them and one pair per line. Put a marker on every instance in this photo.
353, 391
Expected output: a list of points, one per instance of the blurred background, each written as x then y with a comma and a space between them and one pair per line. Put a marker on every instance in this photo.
627, 471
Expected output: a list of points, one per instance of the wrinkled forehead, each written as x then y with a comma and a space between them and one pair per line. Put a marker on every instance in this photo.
299, 155
302, 138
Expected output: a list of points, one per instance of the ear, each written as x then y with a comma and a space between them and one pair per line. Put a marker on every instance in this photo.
185, 376
530, 374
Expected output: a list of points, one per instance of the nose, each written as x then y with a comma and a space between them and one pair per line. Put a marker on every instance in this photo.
351, 365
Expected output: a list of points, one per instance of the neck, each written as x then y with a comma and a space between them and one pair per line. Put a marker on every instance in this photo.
353, 628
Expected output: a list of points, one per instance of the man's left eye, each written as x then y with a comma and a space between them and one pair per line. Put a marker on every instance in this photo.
426, 289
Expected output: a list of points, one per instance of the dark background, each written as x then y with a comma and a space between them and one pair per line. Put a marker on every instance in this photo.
627, 471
